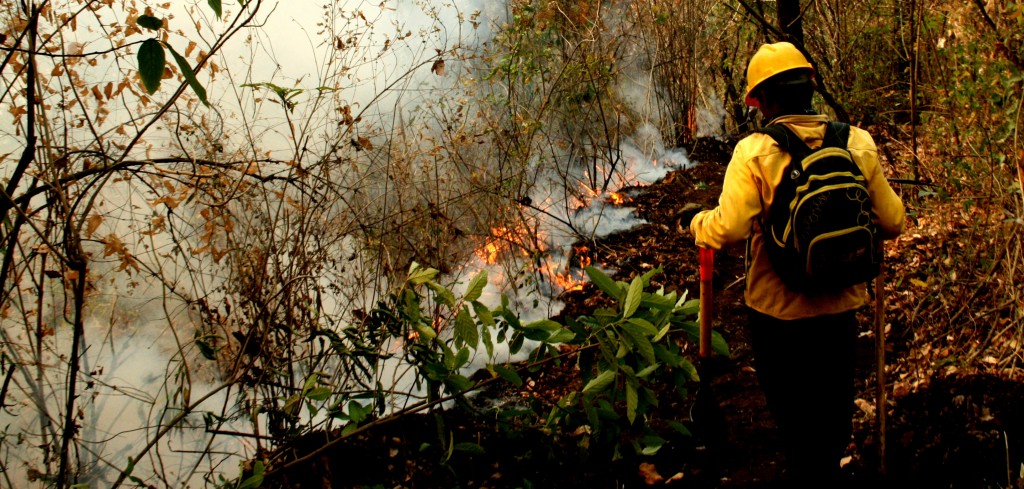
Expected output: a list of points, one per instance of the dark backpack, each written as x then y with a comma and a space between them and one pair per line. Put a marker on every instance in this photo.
819, 232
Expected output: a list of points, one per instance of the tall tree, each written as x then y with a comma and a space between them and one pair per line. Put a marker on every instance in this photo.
791, 20
791, 29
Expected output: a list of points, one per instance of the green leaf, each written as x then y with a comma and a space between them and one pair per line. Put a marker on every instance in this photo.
190, 76
149, 22
292, 405
536, 334
689, 369
476, 287
488, 342
486, 319
470, 448
349, 429
644, 326
718, 344
319, 393
548, 325
680, 428
435, 371
689, 307
310, 383
603, 282
461, 358
418, 276
483, 314
426, 332
600, 383
667, 357
508, 374
457, 384
648, 370
633, 296
256, 479
442, 294
650, 273
357, 413
652, 444
509, 316
659, 302
151, 64
592, 417
517, 342
215, 5
561, 336
692, 329
208, 351
465, 328
661, 334
643, 344
625, 345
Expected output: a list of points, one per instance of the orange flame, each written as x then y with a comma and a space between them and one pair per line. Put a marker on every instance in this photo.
617, 198
503, 242
583, 255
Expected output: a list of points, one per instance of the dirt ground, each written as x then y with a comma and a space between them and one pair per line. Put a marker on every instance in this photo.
955, 431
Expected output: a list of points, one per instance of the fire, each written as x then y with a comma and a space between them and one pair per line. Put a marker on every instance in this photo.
501, 241
488, 253
509, 242
565, 278
617, 198
580, 255
585, 197
569, 282
571, 276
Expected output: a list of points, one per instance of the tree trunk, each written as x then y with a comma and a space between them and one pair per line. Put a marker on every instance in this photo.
791, 20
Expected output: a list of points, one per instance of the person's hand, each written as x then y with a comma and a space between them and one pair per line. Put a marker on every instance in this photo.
685, 215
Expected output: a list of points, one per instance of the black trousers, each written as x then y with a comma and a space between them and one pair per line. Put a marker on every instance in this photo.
805, 368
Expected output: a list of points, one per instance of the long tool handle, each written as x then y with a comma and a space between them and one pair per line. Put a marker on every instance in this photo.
707, 266
880, 394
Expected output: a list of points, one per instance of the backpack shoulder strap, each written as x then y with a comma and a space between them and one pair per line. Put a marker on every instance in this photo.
837, 135
790, 143
784, 137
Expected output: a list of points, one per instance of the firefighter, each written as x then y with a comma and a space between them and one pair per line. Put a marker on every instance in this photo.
803, 344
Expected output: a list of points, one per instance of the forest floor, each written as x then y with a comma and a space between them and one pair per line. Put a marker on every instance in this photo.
952, 428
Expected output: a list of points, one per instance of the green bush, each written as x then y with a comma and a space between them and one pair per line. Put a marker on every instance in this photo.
627, 354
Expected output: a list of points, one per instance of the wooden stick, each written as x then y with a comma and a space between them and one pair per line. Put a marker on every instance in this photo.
880, 393
707, 266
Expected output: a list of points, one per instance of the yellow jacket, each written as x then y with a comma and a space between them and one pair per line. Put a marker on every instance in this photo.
756, 168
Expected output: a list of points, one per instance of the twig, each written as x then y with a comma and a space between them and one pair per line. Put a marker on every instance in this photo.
66, 55
7, 383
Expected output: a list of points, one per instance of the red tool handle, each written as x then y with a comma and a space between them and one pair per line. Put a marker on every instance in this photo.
707, 266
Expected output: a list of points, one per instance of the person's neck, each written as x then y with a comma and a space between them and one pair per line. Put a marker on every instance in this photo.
772, 114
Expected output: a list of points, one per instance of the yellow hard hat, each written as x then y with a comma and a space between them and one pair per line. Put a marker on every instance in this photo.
770, 60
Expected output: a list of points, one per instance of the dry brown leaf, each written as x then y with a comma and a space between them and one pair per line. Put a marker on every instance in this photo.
364, 143
113, 245
92, 223
438, 67
650, 474
865, 406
